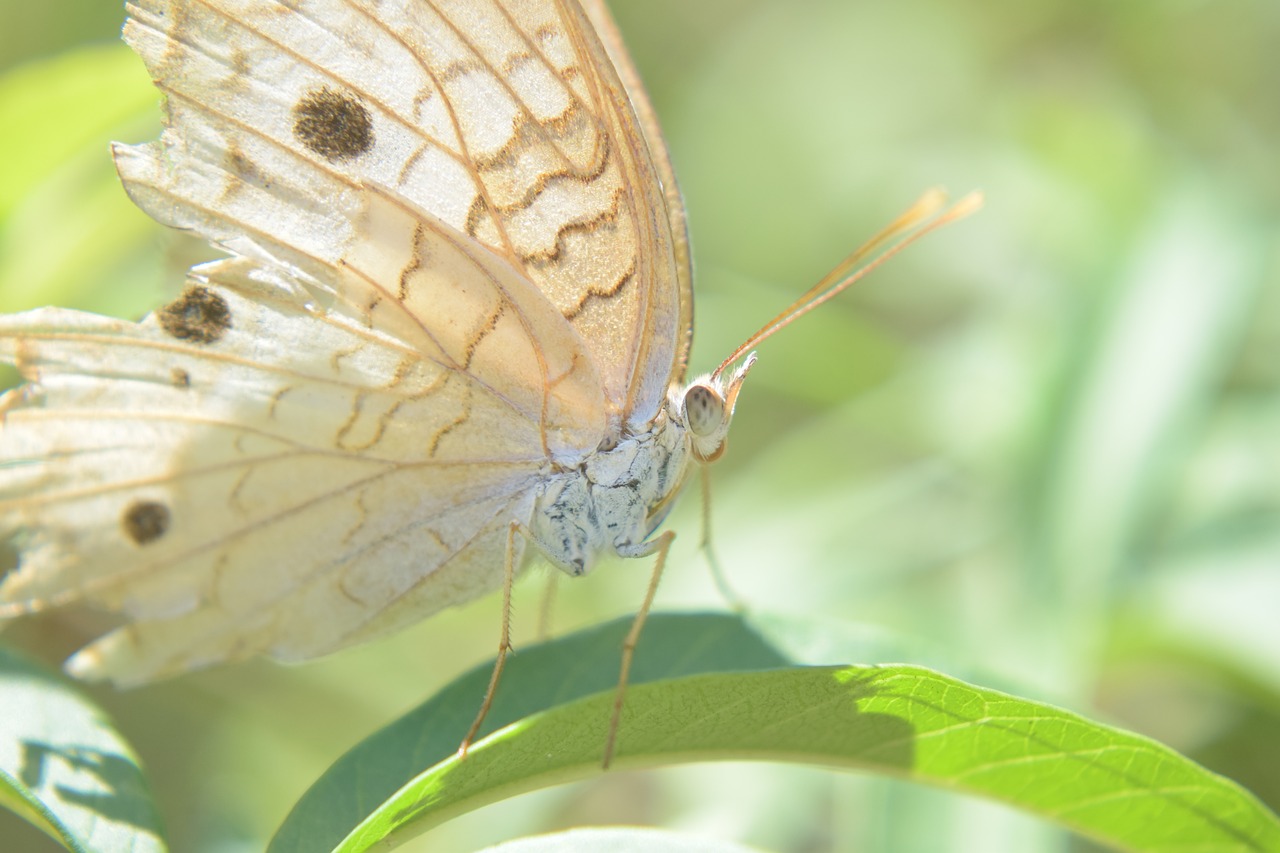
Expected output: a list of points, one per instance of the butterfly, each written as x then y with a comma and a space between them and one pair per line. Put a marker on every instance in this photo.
450, 330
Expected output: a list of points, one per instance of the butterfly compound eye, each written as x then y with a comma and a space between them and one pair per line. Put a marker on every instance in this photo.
703, 410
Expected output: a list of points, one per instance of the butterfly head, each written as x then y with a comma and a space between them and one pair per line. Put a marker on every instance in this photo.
705, 406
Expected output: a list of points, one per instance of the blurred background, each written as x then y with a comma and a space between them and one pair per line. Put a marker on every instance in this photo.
1041, 450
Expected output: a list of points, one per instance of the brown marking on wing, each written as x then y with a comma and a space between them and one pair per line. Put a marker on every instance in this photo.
459, 67
466, 157
25, 359
526, 126
389, 415
336, 125
605, 293
420, 256
233, 497
554, 381
198, 315
240, 165
336, 357
426, 94
479, 207
438, 539
403, 370
483, 332
240, 66
275, 400
174, 47
544, 179
578, 226
340, 440
145, 521
434, 444
241, 171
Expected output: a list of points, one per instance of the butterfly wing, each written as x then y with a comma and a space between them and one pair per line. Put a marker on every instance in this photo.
651, 137
506, 120
458, 264
244, 471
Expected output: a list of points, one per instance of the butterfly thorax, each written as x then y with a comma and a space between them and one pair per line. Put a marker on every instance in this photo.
623, 490
613, 500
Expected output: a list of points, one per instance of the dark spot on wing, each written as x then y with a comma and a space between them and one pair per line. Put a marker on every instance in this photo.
239, 164
198, 315
145, 521
334, 125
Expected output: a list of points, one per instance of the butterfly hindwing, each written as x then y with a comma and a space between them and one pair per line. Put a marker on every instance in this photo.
244, 472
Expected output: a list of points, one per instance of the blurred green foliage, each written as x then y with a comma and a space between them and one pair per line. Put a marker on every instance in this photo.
1047, 440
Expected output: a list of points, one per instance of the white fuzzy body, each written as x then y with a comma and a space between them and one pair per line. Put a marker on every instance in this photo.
614, 500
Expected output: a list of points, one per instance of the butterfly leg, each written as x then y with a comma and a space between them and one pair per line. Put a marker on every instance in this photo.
547, 607
660, 546
708, 551
504, 644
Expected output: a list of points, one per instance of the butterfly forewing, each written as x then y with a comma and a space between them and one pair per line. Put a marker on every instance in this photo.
504, 120
650, 139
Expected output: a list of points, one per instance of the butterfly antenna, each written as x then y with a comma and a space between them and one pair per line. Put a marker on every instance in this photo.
927, 214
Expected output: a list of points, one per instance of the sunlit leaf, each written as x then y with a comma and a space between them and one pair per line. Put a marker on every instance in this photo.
65, 769
903, 721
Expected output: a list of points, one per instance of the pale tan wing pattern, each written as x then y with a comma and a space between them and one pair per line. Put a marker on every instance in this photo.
607, 32
245, 471
503, 119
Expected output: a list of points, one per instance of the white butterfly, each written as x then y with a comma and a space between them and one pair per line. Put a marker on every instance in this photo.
452, 327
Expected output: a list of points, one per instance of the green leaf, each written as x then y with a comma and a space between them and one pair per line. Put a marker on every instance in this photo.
15, 797
65, 769
903, 721
537, 678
